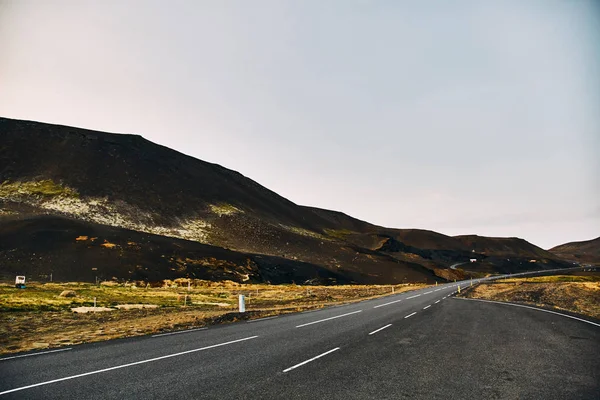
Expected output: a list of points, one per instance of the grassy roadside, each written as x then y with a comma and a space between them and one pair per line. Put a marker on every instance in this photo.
577, 294
39, 317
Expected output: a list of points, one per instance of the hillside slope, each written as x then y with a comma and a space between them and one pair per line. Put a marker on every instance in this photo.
503, 246
587, 251
126, 182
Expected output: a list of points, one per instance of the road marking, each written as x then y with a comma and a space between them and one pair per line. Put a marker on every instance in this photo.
410, 315
34, 354
426, 307
178, 332
380, 329
262, 319
436, 302
412, 297
124, 366
387, 304
428, 292
532, 308
309, 360
328, 319
437, 290
444, 297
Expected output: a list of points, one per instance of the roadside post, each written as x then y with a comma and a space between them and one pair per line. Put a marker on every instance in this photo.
458, 288
242, 303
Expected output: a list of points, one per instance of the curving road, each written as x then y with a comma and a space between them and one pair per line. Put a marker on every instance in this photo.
424, 344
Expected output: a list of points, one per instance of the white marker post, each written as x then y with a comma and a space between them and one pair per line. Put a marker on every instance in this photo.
242, 303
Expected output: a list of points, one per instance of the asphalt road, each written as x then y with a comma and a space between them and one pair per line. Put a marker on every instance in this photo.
424, 344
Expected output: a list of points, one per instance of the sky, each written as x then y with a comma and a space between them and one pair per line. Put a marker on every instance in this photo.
463, 117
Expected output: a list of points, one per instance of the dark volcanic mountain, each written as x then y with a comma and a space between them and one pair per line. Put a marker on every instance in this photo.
89, 203
585, 252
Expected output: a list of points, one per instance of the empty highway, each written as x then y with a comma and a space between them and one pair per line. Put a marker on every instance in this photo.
422, 344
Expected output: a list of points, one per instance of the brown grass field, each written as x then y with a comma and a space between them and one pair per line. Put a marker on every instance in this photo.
578, 294
38, 317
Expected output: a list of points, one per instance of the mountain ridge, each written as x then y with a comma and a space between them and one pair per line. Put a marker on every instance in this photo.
128, 182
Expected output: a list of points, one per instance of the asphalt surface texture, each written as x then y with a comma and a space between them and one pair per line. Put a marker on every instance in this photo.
424, 344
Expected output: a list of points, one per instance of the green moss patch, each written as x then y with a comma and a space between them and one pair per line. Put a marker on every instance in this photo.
44, 188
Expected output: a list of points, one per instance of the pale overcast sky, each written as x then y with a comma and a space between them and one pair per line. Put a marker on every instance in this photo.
455, 116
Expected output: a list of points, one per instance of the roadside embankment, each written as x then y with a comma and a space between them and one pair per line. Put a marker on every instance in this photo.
573, 293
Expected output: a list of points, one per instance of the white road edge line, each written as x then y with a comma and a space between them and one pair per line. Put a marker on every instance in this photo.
387, 304
426, 307
309, 360
262, 319
178, 332
34, 354
412, 297
409, 315
380, 329
531, 308
124, 366
327, 319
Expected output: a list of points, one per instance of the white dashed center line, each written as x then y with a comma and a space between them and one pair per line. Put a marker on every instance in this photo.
380, 329
309, 360
328, 319
410, 315
387, 304
426, 307
412, 297
436, 302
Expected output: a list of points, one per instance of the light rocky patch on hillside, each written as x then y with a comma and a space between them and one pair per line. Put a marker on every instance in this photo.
57, 198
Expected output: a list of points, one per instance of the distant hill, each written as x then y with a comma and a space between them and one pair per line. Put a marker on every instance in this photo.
62, 183
585, 252
503, 247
